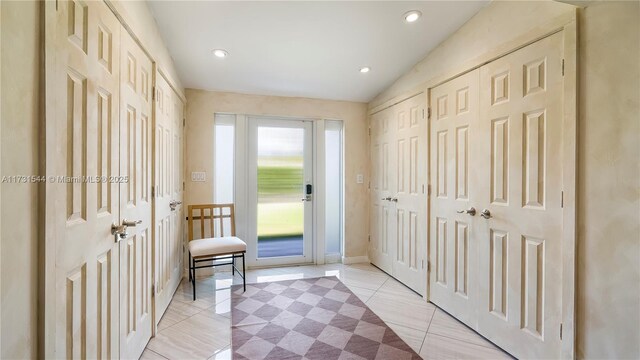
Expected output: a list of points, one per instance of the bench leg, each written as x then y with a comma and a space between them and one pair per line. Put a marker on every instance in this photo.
233, 265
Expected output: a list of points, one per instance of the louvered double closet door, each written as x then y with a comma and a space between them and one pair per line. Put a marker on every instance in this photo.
496, 136
398, 192
99, 138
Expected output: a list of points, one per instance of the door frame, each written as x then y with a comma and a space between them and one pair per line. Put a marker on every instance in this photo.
567, 24
240, 122
252, 196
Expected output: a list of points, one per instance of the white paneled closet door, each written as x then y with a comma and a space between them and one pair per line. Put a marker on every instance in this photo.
135, 197
398, 192
82, 147
520, 184
454, 164
382, 187
168, 194
496, 141
410, 199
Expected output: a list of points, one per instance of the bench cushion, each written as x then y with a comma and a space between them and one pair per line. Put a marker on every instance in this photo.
216, 246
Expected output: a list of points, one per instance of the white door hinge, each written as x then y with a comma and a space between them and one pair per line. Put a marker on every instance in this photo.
153, 94
562, 199
429, 190
153, 191
369, 238
184, 122
428, 113
428, 266
153, 290
562, 67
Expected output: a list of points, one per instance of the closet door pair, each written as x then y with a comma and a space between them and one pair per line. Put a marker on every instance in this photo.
98, 168
496, 205
398, 192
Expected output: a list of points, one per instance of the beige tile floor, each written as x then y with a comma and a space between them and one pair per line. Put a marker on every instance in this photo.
201, 329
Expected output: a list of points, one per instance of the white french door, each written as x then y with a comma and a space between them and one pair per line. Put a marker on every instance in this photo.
280, 192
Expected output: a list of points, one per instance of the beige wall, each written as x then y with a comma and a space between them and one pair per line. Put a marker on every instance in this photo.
201, 107
608, 257
19, 141
20, 130
609, 181
499, 23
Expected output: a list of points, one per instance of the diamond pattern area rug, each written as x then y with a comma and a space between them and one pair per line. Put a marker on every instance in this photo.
317, 318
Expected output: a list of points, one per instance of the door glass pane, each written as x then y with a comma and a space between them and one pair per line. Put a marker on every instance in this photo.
333, 183
280, 190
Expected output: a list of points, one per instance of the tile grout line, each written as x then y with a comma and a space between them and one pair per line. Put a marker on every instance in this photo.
157, 353
428, 327
470, 343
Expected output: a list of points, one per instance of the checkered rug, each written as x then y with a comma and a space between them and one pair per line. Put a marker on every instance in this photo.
318, 318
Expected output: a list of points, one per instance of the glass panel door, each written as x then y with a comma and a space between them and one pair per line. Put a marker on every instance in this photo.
280, 170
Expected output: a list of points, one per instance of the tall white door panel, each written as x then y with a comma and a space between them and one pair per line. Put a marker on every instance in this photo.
135, 197
383, 224
410, 199
520, 184
454, 195
82, 131
398, 192
168, 194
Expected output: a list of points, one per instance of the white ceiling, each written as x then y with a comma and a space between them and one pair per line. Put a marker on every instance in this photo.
303, 49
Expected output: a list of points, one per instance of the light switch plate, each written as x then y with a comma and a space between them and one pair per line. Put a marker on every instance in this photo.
360, 179
198, 176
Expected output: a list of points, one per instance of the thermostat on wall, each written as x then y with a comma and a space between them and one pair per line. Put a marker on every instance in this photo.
199, 176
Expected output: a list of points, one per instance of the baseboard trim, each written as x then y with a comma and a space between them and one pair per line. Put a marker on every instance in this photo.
355, 259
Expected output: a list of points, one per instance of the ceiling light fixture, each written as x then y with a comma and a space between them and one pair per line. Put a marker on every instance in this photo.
365, 69
221, 53
412, 16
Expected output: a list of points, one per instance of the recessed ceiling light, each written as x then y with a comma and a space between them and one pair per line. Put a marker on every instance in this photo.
412, 16
221, 53
365, 69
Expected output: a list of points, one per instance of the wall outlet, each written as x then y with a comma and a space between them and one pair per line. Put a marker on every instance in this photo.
360, 179
198, 176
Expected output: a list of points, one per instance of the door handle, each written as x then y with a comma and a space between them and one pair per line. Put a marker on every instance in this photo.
486, 214
120, 231
174, 204
394, 199
388, 198
307, 198
471, 211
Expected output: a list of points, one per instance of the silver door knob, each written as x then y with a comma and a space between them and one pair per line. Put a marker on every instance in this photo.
471, 211
486, 214
174, 204
120, 231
